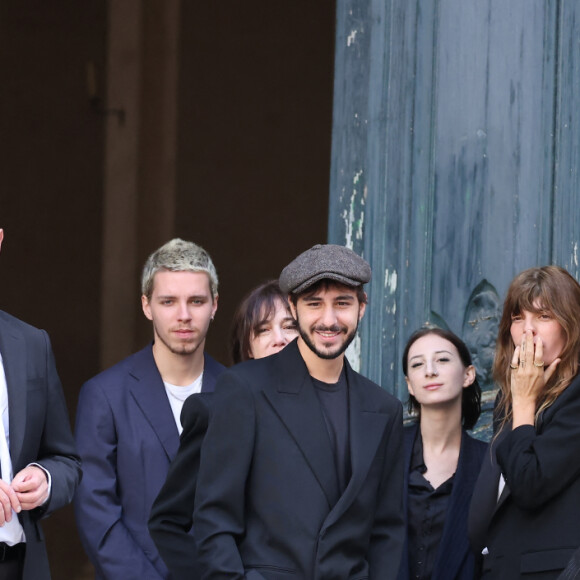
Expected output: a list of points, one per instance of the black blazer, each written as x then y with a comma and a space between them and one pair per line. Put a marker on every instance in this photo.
455, 558
39, 428
268, 504
170, 524
534, 528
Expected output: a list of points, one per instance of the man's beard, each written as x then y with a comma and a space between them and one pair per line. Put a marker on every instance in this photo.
334, 328
183, 348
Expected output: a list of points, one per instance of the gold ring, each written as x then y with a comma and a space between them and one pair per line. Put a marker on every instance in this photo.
539, 364
513, 366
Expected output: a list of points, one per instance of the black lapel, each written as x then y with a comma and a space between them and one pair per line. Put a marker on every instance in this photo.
409, 435
484, 502
367, 428
295, 402
454, 540
505, 493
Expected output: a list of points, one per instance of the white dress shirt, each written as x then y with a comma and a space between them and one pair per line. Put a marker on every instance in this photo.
11, 532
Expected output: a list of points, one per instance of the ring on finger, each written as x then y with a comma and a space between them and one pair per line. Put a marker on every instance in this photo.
539, 363
513, 366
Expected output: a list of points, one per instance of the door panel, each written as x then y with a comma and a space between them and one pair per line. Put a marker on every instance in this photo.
455, 162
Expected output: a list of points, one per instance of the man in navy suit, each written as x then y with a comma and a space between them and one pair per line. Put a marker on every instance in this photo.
127, 426
301, 470
40, 468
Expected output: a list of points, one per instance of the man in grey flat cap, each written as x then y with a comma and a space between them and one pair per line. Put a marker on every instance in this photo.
301, 472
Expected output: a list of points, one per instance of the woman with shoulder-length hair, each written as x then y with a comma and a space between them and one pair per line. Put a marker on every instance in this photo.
525, 512
441, 460
262, 324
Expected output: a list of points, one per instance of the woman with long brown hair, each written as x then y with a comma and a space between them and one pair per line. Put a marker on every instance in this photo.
525, 511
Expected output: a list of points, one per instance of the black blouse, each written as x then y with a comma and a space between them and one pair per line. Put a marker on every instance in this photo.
427, 508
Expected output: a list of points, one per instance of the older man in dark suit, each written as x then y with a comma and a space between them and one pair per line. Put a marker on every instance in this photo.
36, 445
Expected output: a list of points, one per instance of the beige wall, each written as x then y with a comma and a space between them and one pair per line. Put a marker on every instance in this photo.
226, 142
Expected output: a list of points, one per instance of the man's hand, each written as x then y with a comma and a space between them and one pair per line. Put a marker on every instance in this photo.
8, 502
31, 487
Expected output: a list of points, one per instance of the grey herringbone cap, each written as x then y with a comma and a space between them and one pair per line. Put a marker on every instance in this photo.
321, 262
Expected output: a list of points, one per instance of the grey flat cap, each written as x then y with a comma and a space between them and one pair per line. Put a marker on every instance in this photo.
324, 262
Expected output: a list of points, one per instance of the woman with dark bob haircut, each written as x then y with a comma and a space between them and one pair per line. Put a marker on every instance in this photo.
442, 460
525, 515
262, 324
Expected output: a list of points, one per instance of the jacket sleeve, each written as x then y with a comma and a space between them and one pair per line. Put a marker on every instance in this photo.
57, 452
538, 463
225, 464
388, 532
98, 510
172, 513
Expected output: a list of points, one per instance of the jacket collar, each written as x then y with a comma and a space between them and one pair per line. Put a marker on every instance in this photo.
149, 393
295, 401
297, 405
454, 535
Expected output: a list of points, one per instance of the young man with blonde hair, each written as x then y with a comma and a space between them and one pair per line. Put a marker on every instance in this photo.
127, 426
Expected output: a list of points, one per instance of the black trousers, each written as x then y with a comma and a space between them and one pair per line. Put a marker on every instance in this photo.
11, 561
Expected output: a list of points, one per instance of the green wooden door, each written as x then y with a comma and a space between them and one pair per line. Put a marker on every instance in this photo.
456, 147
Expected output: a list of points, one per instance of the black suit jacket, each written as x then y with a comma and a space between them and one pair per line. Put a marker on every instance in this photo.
39, 428
455, 558
170, 524
533, 530
268, 504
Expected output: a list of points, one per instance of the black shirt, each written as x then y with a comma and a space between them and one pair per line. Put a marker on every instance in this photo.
334, 403
427, 508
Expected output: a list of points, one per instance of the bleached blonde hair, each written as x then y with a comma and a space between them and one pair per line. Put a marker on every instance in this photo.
177, 255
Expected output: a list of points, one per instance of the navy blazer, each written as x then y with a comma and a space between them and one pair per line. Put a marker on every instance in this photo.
268, 504
39, 428
126, 436
455, 558
533, 530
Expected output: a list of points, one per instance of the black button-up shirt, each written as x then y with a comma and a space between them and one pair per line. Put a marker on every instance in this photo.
427, 508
